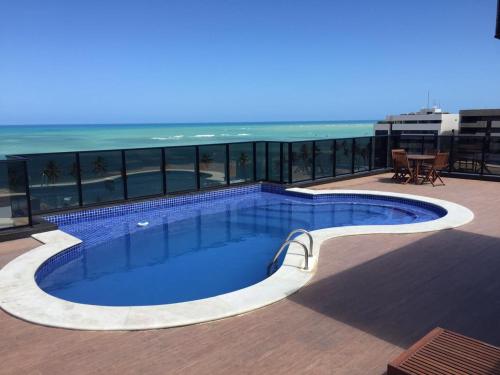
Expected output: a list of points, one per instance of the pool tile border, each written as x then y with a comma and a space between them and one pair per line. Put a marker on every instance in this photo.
20, 295
120, 209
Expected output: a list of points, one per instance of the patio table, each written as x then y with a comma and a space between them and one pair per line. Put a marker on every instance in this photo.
417, 161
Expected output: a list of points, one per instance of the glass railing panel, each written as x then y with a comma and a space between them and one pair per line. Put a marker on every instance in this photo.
102, 179
444, 143
467, 154
53, 181
260, 154
429, 145
416, 144
180, 169
343, 160
274, 161
411, 143
14, 211
380, 152
212, 165
492, 157
144, 175
241, 162
324, 159
362, 154
302, 161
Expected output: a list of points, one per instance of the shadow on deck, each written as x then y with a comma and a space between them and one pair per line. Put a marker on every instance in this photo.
449, 279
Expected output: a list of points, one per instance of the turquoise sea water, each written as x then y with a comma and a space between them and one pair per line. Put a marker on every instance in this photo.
51, 138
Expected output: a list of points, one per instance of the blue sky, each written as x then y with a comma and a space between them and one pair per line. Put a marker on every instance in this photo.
255, 60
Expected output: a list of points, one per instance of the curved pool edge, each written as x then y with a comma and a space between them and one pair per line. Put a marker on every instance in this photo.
21, 297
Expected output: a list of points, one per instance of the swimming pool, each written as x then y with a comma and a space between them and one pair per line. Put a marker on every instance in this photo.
60, 252
200, 249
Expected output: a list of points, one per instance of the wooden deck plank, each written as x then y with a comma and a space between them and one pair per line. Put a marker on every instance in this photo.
372, 297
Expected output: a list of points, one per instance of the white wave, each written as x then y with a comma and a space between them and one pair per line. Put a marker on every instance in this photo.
243, 134
204, 135
167, 138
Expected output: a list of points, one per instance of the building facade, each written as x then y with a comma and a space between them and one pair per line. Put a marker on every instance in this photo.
430, 121
480, 122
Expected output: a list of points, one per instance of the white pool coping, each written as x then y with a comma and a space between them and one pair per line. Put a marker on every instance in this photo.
20, 295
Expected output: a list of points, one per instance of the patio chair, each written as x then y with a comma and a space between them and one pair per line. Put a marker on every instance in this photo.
431, 172
393, 152
402, 169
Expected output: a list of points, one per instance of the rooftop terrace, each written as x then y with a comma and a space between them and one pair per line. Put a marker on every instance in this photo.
370, 299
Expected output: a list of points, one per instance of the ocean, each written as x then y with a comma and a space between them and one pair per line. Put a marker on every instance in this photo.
20, 139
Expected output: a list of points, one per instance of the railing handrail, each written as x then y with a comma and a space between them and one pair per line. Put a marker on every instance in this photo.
300, 230
280, 250
288, 241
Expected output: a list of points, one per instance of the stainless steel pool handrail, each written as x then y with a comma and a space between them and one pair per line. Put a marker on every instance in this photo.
300, 230
282, 247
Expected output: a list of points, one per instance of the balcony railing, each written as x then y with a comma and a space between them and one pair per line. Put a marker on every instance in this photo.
62, 181
15, 210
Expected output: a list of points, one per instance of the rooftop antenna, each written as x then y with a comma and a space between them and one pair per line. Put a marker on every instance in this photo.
428, 96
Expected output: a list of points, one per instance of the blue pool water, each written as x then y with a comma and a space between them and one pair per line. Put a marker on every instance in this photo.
201, 249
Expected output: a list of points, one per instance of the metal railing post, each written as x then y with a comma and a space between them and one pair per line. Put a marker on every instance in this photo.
267, 161
227, 169
124, 175
28, 193
79, 179
334, 158
452, 153
197, 167
313, 172
370, 156
353, 154
163, 170
254, 158
281, 163
483, 153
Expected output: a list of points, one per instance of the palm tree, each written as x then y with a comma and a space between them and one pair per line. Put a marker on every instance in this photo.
99, 166
243, 159
243, 163
13, 178
51, 172
206, 159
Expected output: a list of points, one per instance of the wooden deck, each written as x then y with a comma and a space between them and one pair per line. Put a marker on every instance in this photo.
372, 298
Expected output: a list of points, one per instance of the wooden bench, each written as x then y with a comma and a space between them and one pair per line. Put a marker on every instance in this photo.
445, 352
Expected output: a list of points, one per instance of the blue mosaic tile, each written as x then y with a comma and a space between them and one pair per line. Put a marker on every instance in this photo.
127, 208
182, 207
177, 202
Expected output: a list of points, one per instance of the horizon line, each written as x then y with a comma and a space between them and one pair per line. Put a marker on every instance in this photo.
188, 123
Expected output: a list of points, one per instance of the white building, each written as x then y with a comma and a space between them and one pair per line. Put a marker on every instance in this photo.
426, 121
